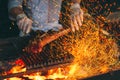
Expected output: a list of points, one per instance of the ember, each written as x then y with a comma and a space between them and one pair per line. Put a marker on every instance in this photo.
95, 52
91, 48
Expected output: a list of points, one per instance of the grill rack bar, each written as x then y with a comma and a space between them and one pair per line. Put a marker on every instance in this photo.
33, 71
37, 63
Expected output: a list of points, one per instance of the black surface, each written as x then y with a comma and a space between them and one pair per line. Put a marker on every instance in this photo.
108, 76
11, 48
7, 29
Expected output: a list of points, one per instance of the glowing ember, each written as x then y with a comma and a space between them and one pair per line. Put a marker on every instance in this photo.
94, 49
19, 62
94, 52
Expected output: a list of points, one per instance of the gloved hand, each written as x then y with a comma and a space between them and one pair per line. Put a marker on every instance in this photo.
76, 15
24, 23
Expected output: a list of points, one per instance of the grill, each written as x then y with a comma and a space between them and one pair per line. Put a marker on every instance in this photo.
42, 62
45, 60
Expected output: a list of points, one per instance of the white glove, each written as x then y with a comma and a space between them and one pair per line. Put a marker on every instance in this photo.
24, 23
76, 17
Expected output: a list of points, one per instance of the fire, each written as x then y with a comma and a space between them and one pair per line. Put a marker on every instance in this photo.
95, 52
15, 78
57, 73
16, 69
35, 76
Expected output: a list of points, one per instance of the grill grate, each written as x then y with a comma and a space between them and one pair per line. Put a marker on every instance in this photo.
42, 62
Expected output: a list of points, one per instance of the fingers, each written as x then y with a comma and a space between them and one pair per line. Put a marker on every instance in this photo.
81, 15
72, 26
28, 28
20, 23
79, 21
25, 25
76, 24
76, 21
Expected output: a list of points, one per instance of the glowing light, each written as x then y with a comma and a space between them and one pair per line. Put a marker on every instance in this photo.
94, 50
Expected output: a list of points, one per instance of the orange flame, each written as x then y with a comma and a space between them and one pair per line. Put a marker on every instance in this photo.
94, 54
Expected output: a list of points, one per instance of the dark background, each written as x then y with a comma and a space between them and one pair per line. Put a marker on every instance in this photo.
8, 29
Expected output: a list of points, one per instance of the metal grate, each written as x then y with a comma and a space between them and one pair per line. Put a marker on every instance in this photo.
42, 62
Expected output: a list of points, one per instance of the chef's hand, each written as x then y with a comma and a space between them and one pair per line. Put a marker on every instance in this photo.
76, 17
24, 23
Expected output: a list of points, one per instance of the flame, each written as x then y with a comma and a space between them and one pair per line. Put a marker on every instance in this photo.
35, 76
16, 69
95, 53
15, 78
57, 73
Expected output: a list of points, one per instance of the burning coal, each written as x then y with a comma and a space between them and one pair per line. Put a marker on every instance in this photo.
94, 47
95, 53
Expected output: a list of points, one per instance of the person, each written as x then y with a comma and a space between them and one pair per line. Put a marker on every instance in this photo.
43, 14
